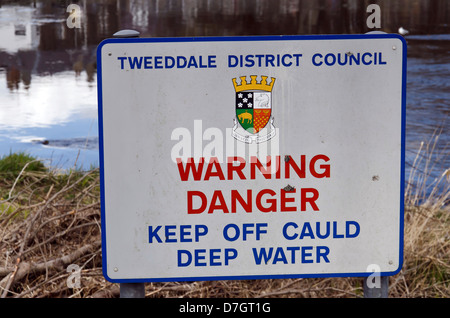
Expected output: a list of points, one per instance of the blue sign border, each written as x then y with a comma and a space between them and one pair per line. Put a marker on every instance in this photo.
249, 39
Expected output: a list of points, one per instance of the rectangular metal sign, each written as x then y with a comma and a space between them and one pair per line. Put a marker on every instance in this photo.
251, 157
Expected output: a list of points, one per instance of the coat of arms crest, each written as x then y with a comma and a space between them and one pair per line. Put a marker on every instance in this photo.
253, 110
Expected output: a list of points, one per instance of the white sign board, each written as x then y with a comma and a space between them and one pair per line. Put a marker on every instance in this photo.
251, 157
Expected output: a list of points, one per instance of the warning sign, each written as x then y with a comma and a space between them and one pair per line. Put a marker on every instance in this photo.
251, 157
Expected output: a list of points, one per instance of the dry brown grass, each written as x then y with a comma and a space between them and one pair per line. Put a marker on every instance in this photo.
48, 221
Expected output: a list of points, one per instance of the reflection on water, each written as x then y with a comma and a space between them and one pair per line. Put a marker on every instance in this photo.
47, 83
51, 100
48, 71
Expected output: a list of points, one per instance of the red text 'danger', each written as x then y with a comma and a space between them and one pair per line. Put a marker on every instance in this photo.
266, 200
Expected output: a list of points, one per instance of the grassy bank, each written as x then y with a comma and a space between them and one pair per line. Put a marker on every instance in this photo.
49, 220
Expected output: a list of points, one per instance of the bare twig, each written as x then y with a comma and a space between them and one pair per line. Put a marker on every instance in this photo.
23, 269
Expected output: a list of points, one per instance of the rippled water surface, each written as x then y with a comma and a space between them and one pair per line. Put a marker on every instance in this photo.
48, 93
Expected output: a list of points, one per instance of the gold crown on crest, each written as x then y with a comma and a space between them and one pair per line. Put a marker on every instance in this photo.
245, 86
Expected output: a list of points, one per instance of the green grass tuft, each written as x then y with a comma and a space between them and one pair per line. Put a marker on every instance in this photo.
12, 165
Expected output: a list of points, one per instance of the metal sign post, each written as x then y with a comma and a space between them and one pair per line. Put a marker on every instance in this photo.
380, 291
130, 290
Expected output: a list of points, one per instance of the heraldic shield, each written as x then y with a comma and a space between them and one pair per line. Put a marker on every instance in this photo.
253, 104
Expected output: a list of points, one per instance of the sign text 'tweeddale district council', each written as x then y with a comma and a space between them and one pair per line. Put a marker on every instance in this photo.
250, 61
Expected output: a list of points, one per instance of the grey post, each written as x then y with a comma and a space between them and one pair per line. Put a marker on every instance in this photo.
126, 34
130, 290
380, 291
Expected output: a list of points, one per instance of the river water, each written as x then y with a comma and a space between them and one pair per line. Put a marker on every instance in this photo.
48, 91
